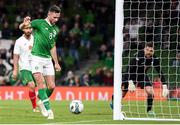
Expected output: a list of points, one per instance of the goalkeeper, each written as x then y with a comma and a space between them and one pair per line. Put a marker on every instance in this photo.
137, 74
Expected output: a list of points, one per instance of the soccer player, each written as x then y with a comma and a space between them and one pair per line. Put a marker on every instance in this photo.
21, 58
43, 51
137, 74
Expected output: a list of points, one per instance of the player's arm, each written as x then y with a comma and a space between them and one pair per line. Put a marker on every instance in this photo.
35, 24
26, 21
165, 91
16, 55
15, 66
55, 59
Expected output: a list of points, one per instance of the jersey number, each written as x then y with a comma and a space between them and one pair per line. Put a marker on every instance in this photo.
51, 35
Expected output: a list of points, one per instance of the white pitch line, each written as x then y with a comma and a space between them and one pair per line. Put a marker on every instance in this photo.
87, 121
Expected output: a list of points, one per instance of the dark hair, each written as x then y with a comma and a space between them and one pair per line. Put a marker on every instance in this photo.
54, 8
149, 44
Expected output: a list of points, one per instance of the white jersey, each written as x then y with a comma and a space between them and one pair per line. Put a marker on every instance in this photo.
23, 48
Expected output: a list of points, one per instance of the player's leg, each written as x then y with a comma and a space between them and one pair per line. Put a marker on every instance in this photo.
145, 83
44, 101
27, 79
49, 76
150, 95
50, 83
125, 84
32, 95
37, 65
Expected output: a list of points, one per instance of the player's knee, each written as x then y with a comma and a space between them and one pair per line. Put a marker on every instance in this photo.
150, 95
31, 85
51, 86
38, 78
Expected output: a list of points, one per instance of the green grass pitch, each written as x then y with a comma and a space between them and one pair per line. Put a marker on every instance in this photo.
95, 112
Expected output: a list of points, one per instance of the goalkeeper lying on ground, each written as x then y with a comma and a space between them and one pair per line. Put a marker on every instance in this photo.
137, 73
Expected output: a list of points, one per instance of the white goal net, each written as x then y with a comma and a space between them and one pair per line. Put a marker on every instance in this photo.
157, 22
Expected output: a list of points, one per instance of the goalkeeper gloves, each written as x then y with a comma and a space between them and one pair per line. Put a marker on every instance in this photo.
131, 86
165, 91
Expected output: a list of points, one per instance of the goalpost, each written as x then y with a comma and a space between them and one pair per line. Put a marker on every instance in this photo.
137, 22
117, 114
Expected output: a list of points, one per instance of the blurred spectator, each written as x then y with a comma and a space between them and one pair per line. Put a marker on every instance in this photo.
76, 19
8, 66
19, 18
90, 17
109, 60
98, 77
16, 32
3, 54
108, 78
9, 55
76, 31
3, 71
70, 81
126, 28
6, 31
103, 22
176, 62
110, 46
158, 30
73, 48
62, 41
77, 81
85, 39
126, 45
165, 39
3, 18
85, 80
3, 12
157, 82
133, 30
175, 93
4, 59
102, 52
149, 30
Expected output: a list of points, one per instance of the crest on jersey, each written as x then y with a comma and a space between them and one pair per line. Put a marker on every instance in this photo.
36, 67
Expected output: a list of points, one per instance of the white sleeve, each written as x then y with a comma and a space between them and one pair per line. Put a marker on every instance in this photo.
16, 48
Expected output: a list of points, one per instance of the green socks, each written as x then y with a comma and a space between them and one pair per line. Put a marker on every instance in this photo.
44, 98
49, 92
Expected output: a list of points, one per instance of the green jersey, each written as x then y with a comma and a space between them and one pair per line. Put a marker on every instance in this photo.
45, 36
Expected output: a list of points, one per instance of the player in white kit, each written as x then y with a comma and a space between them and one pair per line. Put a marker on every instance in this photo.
21, 58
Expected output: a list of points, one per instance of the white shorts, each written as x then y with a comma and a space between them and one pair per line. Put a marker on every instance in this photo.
42, 65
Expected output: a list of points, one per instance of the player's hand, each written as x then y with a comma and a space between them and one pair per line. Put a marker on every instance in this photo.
14, 74
57, 67
131, 86
27, 20
165, 91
